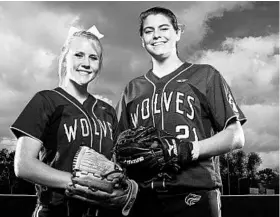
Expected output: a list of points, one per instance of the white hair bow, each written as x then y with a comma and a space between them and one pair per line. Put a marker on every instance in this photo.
92, 30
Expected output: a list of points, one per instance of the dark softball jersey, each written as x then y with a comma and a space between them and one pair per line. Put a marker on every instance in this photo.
62, 124
193, 102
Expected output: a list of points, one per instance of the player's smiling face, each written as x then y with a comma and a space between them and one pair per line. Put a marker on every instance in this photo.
82, 60
159, 36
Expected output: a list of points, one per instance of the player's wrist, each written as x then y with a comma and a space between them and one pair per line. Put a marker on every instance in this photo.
188, 152
195, 150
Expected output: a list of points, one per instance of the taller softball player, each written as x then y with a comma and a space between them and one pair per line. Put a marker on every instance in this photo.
55, 123
191, 101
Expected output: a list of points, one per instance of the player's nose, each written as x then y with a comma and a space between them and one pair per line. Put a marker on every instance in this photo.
156, 34
86, 63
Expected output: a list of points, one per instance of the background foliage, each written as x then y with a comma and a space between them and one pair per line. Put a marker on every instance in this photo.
239, 172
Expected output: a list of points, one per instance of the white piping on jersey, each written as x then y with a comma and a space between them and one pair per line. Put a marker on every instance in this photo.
38, 209
91, 136
153, 96
161, 100
219, 204
26, 134
98, 124
234, 116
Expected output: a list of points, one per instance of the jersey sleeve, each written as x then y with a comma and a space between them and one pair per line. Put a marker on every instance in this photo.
223, 106
122, 115
33, 120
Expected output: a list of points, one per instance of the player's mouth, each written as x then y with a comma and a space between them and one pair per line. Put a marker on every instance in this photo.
158, 43
84, 72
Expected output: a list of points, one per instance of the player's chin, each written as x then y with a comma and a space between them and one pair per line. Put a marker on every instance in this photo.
159, 55
157, 52
87, 78
83, 81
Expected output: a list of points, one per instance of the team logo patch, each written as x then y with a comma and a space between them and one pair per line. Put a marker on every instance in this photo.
232, 103
192, 199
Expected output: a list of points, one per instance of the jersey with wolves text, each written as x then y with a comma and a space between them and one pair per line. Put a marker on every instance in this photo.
193, 102
62, 124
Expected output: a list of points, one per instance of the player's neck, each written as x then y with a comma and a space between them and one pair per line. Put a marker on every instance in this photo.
164, 67
77, 91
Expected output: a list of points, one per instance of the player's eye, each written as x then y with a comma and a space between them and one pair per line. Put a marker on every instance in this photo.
79, 55
93, 57
164, 29
148, 31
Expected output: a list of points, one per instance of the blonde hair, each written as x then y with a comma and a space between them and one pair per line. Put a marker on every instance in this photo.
65, 50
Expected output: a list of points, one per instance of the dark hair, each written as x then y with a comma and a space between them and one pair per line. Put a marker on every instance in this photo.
158, 10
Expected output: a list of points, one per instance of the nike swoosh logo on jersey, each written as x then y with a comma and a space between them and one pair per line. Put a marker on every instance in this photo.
181, 80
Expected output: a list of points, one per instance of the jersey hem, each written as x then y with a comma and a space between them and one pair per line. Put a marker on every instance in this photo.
235, 116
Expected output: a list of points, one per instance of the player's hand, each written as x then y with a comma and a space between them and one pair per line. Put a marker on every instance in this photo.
100, 181
176, 148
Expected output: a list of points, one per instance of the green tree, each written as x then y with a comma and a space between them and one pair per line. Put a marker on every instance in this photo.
228, 172
236, 166
254, 161
269, 178
240, 159
224, 173
9, 183
7, 175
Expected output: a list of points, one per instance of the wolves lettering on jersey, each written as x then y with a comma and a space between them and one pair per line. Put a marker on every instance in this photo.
88, 122
61, 124
71, 130
177, 98
55, 118
166, 104
190, 103
105, 128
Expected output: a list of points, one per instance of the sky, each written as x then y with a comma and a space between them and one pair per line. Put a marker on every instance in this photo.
240, 39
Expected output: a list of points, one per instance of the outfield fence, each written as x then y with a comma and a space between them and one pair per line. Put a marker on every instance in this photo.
232, 205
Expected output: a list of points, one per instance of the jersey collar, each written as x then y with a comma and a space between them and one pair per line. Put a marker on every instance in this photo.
166, 78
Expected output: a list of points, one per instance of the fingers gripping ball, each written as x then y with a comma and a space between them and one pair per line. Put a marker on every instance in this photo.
144, 153
100, 181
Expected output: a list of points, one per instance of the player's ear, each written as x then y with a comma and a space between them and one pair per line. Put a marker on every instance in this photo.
143, 43
180, 31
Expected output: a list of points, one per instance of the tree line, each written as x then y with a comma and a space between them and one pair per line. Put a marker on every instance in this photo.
239, 172
9, 183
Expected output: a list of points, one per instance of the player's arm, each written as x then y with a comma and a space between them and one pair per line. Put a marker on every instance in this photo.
29, 167
226, 117
231, 138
